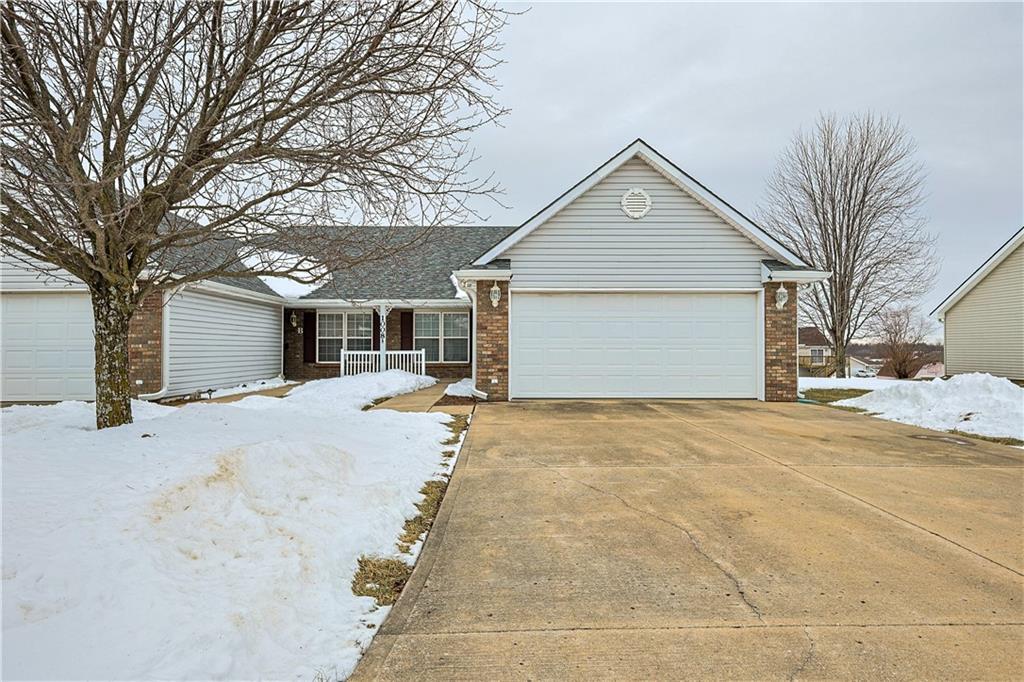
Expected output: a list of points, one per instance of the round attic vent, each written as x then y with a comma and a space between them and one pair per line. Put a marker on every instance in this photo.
636, 203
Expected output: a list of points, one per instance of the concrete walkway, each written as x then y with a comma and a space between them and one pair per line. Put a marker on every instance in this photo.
714, 540
423, 401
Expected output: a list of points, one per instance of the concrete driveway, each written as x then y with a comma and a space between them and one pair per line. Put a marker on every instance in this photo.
713, 539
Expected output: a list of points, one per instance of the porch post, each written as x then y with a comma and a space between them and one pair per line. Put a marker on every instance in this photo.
382, 312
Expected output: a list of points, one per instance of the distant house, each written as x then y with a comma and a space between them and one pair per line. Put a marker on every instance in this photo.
983, 319
814, 356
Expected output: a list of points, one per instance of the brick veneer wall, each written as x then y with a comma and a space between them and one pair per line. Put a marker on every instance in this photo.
145, 346
492, 342
296, 369
780, 361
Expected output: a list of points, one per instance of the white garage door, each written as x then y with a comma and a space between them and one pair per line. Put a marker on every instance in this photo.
47, 347
634, 346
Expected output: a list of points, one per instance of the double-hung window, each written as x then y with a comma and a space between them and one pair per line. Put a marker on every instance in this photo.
817, 356
337, 331
444, 337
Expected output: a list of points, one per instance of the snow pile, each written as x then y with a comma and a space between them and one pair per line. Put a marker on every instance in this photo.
208, 541
864, 383
461, 389
974, 403
250, 387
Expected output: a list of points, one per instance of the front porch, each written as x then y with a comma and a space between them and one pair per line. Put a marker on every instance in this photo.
336, 338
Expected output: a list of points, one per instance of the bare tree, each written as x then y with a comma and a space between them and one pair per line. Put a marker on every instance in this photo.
846, 198
151, 144
902, 333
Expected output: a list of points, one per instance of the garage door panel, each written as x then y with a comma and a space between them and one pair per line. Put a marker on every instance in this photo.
634, 345
47, 347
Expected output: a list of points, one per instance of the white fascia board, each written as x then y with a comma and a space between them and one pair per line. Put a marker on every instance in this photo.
325, 303
673, 173
988, 266
473, 274
799, 276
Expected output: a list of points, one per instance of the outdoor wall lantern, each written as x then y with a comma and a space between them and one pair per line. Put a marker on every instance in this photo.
781, 296
495, 295
294, 319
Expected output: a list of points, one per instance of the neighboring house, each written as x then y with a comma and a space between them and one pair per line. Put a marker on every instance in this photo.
814, 355
983, 319
208, 335
637, 282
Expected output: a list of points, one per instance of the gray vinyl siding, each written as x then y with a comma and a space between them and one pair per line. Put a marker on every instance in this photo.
217, 342
592, 244
985, 329
15, 275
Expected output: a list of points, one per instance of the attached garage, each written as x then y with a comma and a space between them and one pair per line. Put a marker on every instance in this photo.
634, 345
637, 282
47, 347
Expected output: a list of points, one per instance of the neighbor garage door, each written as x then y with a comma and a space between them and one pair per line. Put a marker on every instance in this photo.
634, 345
47, 347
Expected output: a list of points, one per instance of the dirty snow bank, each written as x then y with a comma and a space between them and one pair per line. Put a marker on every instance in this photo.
209, 541
865, 383
974, 403
462, 388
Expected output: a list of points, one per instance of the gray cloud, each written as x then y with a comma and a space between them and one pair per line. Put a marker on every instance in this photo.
721, 89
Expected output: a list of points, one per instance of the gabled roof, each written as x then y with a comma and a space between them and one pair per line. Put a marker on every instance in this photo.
681, 178
811, 336
988, 266
422, 271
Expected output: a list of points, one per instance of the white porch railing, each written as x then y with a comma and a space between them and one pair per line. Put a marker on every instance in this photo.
361, 361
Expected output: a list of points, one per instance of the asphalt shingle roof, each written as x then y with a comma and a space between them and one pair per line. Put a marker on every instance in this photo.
420, 271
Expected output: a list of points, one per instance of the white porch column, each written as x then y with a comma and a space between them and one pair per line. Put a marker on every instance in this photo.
382, 312
469, 286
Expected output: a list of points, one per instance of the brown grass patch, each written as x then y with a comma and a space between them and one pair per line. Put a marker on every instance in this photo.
381, 578
458, 424
1002, 440
433, 493
831, 395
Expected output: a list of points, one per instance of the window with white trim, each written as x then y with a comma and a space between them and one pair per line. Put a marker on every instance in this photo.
817, 356
444, 337
337, 331
359, 334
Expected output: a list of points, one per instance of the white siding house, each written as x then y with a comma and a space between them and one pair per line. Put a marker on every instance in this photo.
216, 341
983, 319
214, 336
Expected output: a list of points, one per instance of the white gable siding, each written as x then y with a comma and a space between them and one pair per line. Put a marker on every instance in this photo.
984, 330
592, 244
15, 275
217, 342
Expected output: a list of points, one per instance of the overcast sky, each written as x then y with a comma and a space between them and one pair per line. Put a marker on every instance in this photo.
720, 90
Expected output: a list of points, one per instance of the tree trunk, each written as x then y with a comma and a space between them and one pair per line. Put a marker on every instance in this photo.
839, 357
112, 310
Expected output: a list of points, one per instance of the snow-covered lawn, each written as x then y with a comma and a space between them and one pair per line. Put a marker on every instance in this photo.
208, 541
973, 403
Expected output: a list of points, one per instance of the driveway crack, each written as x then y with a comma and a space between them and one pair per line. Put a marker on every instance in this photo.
686, 531
808, 655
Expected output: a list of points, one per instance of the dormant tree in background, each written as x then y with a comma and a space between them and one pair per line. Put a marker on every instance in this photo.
147, 145
845, 197
902, 332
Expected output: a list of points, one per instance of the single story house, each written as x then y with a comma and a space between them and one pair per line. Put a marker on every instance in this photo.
636, 282
983, 318
814, 355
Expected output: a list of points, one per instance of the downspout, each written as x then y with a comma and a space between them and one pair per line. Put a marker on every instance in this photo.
165, 350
